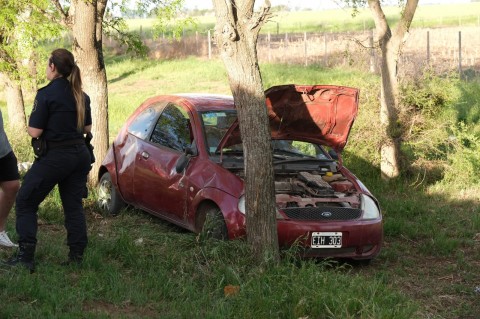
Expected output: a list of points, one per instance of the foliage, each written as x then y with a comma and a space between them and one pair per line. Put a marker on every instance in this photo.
170, 19
23, 26
118, 29
464, 157
425, 115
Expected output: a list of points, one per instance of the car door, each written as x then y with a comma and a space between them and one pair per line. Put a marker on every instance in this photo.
127, 148
158, 188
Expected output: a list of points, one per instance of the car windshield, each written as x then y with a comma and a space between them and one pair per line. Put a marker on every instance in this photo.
216, 124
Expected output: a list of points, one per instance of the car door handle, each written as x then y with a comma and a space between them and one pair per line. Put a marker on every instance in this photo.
145, 155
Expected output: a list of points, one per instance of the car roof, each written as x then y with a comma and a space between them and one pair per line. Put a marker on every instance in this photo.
208, 101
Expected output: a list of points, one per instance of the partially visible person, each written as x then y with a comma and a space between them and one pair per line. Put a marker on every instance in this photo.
9, 183
61, 116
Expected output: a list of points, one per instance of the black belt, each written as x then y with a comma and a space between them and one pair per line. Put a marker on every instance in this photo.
60, 144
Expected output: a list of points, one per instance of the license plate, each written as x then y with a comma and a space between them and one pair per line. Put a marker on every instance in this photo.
326, 240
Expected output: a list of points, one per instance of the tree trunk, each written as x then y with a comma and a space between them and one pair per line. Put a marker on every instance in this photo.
87, 48
15, 105
390, 148
391, 47
236, 33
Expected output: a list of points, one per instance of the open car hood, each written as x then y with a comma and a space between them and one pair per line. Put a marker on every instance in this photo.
321, 114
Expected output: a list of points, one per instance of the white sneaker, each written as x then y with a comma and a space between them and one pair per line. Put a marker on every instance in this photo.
5, 241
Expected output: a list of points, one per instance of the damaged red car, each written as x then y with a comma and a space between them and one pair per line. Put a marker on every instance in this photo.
180, 157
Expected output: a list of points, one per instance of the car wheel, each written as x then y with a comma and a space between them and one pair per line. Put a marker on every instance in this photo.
214, 225
108, 198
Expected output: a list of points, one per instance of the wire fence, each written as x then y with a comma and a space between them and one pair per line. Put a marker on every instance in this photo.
441, 49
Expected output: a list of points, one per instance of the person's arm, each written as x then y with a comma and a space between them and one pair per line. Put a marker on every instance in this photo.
34, 132
39, 116
88, 116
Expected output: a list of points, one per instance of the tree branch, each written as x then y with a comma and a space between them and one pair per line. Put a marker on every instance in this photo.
381, 24
260, 17
64, 16
407, 17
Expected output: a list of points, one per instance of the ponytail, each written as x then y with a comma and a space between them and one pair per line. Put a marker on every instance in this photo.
66, 66
76, 83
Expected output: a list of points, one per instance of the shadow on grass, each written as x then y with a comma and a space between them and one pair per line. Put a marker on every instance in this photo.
431, 231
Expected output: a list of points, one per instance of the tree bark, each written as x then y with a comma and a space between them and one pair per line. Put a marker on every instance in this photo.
15, 104
87, 48
236, 33
391, 46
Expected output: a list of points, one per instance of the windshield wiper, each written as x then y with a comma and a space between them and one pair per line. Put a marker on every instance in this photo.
281, 153
227, 151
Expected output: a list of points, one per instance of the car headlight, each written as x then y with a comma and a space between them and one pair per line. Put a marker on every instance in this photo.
241, 207
369, 207
241, 204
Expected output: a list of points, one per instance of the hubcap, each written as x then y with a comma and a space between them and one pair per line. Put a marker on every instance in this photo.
105, 195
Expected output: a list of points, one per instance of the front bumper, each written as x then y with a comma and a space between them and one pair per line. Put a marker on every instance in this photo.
360, 239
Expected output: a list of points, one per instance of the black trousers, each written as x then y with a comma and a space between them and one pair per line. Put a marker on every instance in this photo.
68, 167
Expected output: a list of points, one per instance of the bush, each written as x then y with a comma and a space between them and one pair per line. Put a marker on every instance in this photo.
463, 167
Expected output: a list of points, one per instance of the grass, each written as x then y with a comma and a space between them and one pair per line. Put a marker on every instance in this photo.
340, 20
137, 266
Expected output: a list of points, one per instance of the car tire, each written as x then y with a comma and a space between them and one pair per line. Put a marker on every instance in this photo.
214, 225
108, 198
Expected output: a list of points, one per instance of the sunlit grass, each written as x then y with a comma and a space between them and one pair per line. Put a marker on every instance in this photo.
341, 19
137, 266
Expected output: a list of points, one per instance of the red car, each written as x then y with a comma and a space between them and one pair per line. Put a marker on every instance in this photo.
180, 157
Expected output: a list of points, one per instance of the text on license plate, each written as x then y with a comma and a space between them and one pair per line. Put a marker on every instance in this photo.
326, 240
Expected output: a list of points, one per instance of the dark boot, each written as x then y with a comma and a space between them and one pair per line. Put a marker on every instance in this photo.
23, 257
75, 257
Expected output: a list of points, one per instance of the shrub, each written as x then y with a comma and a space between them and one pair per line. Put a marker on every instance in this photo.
463, 167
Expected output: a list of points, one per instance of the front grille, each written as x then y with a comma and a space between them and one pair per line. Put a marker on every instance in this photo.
322, 213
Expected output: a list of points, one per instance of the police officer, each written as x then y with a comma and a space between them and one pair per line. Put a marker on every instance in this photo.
60, 116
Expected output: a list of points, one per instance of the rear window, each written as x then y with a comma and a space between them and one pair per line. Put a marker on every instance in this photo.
143, 123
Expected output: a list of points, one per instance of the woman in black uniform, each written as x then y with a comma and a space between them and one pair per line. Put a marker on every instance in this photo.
61, 116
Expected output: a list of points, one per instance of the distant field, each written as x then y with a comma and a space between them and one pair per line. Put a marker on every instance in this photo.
339, 20
334, 37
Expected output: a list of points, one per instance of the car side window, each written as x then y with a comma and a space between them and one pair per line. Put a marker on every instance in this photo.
172, 129
142, 124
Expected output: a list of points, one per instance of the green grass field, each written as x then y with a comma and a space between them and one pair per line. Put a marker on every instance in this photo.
340, 20
137, 266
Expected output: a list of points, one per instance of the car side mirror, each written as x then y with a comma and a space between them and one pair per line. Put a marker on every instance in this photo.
189, 150
183, 160
182, 163
333, 154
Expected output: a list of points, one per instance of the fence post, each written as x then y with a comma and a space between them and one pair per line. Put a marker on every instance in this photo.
269, 47
209, 46
286, 48
325, 56
184, 42
428, 48
305, 41
460, 53
196, 42
372, 52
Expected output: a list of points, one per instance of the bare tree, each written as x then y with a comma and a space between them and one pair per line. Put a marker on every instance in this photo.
391, 45
236, 32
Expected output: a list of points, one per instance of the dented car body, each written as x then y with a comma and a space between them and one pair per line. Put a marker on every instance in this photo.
180, 157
